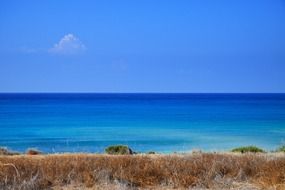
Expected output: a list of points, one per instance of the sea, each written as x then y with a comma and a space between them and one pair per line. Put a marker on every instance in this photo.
164, 123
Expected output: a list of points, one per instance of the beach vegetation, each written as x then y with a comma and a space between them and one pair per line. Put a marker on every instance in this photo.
118, 149
33, 151
181, 171
247, 149
196, 151
281, 149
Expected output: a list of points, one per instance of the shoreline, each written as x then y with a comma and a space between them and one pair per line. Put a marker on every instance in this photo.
250, 148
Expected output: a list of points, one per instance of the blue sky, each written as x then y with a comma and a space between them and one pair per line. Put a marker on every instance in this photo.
142, 46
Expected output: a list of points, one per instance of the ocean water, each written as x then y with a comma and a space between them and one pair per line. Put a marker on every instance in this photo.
146, 122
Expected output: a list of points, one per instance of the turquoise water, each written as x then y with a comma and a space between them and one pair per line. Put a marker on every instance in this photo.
145, 122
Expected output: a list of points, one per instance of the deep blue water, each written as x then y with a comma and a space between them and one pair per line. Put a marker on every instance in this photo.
145, 122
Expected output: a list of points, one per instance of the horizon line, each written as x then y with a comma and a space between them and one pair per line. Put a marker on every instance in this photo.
142, 92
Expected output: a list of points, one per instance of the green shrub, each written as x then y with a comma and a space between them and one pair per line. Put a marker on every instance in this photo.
281, 149
118, 149
151, 152
245, 149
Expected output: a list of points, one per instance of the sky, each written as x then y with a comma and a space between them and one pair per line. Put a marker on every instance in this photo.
163, 46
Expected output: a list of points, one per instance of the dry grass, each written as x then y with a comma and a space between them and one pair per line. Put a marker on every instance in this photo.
90, 171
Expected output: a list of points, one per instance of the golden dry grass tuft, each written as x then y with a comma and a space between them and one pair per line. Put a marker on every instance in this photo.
91, 171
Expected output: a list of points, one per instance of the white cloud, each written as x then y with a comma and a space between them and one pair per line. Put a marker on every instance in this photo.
69, 44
